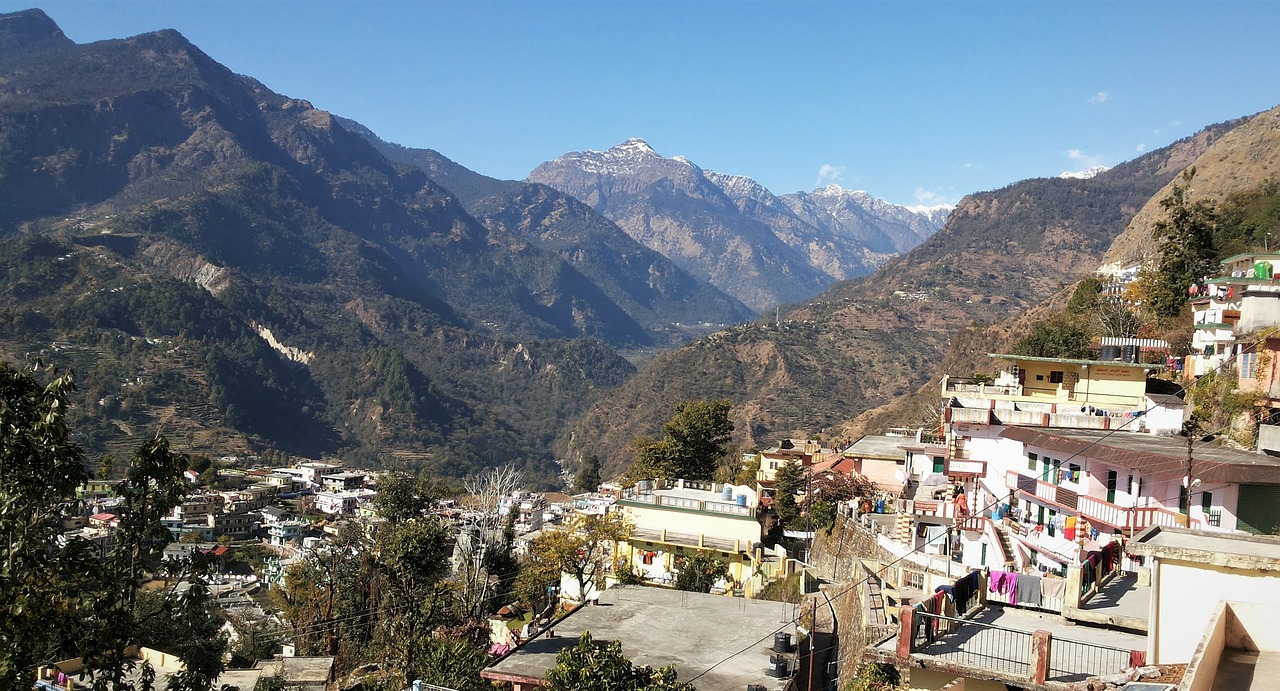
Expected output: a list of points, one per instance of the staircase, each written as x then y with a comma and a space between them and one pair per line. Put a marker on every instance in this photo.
875, 599
1006, 544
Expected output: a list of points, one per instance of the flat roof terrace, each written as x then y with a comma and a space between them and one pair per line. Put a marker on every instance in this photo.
997, 643
724, 642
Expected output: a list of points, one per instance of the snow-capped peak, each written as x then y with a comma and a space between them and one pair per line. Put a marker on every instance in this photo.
1083, 174
633, 147
922, 209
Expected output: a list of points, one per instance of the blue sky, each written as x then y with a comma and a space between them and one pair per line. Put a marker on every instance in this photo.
915, 102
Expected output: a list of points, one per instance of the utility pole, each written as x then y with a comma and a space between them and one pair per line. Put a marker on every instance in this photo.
1191, 428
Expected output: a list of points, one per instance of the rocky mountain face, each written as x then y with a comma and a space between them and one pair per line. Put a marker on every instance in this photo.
1238, 160
763, 249
872, 341
669, 303
238, 267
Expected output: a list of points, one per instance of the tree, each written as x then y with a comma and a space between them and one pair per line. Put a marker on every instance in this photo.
1186, 249
1085, 297
788, 482
699, 572
1058, 336
580, 548
694, 440
588, 478
58, 598
1114, 319
484, 536
592, 665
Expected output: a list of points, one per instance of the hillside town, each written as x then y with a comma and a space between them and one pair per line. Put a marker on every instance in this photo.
1069, 524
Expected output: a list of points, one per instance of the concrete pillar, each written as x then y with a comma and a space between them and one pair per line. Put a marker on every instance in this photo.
1040, 644
906, 632
1071, 591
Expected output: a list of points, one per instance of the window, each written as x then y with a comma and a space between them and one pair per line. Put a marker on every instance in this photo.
939, 465
1206, 501
1247, 364
913, 579
1031, 461
1055, 377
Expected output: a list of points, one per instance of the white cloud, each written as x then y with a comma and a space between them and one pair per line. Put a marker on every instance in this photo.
973, 166
828, 174
1100, 97
1086, 159
927, 198
1140, 148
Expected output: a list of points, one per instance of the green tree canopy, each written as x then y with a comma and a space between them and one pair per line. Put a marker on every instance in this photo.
1186, 249
63, 598
588, 478
592, 665
694, 440
789, 481
699, 571
1058, 336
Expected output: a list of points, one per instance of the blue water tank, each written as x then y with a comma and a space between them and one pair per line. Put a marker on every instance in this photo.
742, 500
727, 493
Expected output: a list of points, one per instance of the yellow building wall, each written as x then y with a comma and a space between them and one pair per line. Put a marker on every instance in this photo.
1100, 384
930, 680
740, 568
745, 529
1186, 597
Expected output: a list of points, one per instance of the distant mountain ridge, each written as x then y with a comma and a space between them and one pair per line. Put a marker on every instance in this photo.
830, 363
670, 303
762, 248
237, 267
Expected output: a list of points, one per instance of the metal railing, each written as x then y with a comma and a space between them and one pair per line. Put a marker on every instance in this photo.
973, 643
1076, 660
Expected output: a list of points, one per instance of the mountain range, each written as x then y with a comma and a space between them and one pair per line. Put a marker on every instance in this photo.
761, 248
855, 358
249, 273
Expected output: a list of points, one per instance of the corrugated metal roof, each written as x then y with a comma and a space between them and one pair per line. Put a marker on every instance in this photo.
1154, 454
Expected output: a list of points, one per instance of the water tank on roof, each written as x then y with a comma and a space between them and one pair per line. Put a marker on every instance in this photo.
1129, 353
778, 667
727, 493
742, 500
1109, 352
781, 642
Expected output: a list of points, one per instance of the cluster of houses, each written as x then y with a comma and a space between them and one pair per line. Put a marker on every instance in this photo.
1058, 528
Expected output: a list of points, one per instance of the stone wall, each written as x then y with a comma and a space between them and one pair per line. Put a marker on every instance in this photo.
835, 558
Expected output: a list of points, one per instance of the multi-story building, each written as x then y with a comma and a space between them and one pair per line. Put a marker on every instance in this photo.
1056, 452
346, 481
283, 533
337, 502
685, 517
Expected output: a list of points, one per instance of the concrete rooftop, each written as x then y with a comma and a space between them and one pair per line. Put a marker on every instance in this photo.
1217, 549
881, 446
659, 627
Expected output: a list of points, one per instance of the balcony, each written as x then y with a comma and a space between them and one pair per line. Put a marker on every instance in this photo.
1120, 518
689, 539
727, 508
927, 507
1042, 491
